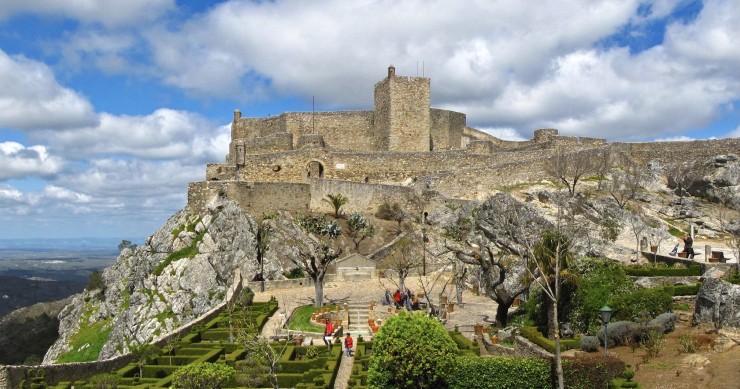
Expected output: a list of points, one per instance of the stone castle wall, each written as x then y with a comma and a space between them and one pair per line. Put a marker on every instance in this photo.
363, 198
256, 198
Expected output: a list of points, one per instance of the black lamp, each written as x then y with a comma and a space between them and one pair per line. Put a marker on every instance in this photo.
606, 315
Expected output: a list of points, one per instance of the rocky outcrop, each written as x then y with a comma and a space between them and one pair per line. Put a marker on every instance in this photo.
182, 271
718, 303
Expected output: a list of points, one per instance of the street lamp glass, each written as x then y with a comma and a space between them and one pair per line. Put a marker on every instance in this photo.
606, 314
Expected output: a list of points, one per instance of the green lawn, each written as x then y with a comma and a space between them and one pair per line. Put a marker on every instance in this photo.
301, 319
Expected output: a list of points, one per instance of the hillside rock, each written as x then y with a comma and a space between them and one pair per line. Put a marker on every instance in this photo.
718, 302
150, 293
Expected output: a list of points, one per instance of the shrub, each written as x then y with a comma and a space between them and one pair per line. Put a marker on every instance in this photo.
688, 343
693, 270
666, 321
619, 333
500, 372
105, 381
295, 273
642, 302
534, 336
653, 342
411, 351
599, 280
683, 290
202, 375
590, 343
591, 370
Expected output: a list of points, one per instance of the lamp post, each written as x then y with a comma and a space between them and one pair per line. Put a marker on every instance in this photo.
606, 315
424, 241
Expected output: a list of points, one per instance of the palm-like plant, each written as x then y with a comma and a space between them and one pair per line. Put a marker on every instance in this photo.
337, 201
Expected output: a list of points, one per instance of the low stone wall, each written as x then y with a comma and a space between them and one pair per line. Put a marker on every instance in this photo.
12, 376
522, 348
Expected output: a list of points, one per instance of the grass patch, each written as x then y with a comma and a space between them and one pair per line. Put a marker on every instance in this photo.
661, 365
186, 252
87, 343
301, 319
682, 306
676, 232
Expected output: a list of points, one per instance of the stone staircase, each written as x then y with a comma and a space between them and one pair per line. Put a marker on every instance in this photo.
359, 312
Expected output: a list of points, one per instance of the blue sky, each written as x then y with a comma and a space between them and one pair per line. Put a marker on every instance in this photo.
109, 108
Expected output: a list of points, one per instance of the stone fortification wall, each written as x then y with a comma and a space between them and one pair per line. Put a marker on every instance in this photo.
364, 198
387, 168
446, 129
282, 141
672, 152
571, 142
254, 197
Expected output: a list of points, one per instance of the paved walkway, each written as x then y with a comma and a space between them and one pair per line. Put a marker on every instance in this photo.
476, 309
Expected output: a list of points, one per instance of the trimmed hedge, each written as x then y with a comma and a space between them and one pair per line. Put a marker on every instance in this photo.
591, 370
465, 345
683, 290
693, 270
500, 372
534, 336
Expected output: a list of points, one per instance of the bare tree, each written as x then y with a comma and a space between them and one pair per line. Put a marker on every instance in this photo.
683, 175
639, 227
314, 258
625, 184
392, 211
402, 259
262, 359
602, 162
569, 168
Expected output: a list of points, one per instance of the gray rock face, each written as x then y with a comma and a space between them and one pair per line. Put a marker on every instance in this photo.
718, 302
149, 293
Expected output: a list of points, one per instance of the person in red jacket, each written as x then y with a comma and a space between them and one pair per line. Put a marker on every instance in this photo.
397, 298
348, 343
328, 331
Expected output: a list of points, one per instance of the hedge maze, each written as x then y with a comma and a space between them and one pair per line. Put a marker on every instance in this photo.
300, 367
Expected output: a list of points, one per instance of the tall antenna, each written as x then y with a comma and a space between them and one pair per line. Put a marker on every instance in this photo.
417, 68
422, 68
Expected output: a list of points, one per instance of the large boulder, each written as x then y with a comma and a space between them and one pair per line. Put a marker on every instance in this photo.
718, 302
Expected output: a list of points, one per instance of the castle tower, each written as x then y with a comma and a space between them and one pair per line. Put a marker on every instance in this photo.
402, 119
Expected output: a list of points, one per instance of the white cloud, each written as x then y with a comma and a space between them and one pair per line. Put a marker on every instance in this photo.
163, 134
30, 97
18, 161
107, 12
99, 48
505, 133
508, 65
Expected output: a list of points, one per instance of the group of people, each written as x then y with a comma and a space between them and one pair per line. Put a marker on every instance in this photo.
329, 339
401, 300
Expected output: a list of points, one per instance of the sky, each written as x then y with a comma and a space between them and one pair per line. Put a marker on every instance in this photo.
109, 108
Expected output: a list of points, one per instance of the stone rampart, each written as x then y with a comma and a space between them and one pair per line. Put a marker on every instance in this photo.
672, 152
281, 141
446, 129
254, 197
364, 198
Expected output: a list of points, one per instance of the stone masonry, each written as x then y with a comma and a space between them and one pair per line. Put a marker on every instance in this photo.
285, 161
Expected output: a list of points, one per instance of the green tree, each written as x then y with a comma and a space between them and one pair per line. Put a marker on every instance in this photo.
95, 281
204, 375
126, 244
144, 353
337, 201
411, 351
394, 211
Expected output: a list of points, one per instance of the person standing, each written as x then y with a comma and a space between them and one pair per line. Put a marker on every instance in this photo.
348, 344
688, 246
328, 331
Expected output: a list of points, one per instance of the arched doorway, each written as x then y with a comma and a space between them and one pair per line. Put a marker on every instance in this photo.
315, 169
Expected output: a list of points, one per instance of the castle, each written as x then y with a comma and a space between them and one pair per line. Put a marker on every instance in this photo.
400, 150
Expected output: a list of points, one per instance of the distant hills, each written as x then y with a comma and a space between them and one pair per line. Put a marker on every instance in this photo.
64, 244
16, 292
